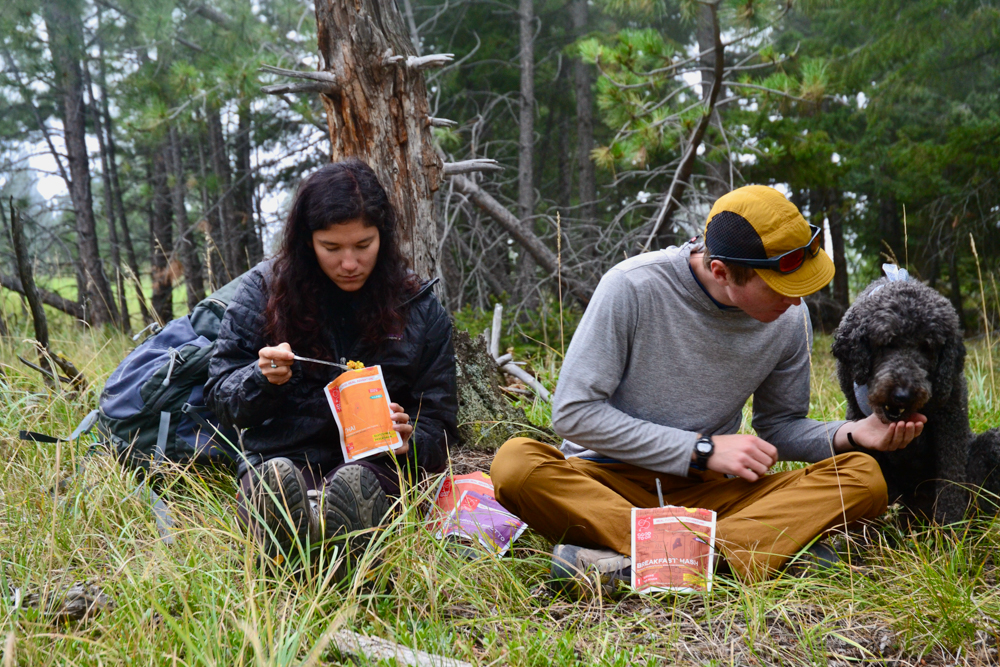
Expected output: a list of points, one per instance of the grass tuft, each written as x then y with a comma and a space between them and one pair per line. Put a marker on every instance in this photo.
910, 593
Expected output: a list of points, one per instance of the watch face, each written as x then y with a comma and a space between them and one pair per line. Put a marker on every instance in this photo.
703, 447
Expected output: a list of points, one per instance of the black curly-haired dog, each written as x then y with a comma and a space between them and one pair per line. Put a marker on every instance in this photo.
899, 350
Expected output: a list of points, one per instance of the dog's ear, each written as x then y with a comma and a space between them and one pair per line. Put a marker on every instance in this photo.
950, 365
851, 347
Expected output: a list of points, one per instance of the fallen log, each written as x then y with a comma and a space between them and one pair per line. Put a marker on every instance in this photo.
377, 649
71, 308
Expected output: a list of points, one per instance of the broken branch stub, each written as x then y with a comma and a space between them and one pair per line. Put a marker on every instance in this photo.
430, 61
469, 166
441, 122
319, 82
282, 88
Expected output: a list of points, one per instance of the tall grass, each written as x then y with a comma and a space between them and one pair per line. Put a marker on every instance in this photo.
912, 593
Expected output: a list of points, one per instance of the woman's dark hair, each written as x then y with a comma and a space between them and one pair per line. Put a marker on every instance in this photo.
336, 194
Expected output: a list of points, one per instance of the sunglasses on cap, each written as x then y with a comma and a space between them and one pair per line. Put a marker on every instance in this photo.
785, 263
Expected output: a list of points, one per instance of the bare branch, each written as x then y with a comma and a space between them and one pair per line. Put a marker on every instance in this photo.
430, 61
71, 308
525, 377
683, 173
325, 77
283, 88
441, 122
469, 166
525, 237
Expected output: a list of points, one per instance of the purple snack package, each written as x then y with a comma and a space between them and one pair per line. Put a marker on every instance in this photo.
484, 519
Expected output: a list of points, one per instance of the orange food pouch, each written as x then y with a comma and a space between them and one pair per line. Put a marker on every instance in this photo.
673, 549
360, 405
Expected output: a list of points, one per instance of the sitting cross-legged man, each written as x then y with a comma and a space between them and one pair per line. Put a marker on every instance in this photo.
653, 386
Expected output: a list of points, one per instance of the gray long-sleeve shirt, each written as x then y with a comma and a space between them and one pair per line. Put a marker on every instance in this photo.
655, 361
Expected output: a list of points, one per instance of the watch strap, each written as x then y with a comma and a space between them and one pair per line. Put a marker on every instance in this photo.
701, 461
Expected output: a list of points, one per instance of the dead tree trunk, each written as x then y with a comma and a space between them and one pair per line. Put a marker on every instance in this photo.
376, 103
62, 21
27, 276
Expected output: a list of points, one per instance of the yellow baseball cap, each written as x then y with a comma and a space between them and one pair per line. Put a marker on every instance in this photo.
757, 226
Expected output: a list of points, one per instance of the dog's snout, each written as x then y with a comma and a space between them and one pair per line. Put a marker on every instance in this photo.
902, 395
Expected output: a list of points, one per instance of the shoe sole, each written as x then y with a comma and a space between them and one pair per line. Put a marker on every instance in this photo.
282, 483
354, 501
567, 579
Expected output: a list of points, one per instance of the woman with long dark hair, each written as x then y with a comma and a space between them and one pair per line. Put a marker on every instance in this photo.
339, 289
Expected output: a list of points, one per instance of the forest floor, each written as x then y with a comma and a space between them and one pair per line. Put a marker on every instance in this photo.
909, 595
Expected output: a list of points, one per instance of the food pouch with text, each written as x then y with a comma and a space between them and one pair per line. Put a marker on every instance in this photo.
673, 549
450, 489
482, 518
360, 405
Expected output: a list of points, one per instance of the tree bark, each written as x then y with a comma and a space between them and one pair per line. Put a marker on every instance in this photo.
116, 195
835, 216
65, 31
583, 84
227, 244
161, 237
214, 245
955, 283
377, 111
249, 249
717, 172
109, 208
889, 225
661, 225
525, 287
190, 262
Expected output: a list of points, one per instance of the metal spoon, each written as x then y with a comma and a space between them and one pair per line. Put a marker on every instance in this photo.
320, 361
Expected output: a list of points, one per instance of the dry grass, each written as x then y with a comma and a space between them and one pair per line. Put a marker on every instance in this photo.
911, 595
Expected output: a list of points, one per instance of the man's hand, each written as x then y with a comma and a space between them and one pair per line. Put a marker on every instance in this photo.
745, 456
871, 433
276, 363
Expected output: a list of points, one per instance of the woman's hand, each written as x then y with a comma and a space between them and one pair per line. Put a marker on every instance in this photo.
276, 363
401, 424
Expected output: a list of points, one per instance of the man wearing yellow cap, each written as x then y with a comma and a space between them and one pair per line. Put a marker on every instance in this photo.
653, 386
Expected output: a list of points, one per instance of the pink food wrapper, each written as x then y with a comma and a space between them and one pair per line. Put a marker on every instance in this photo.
483, 519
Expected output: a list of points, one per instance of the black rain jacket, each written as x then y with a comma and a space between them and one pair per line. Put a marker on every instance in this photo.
294, 420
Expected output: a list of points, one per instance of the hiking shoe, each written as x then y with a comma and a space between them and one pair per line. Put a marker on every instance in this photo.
817, 557
353, 502
282, 508
575, 570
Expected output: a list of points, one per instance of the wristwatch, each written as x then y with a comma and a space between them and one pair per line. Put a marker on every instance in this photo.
703, 449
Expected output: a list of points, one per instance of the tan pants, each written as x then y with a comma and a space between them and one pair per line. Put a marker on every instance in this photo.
761, 524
